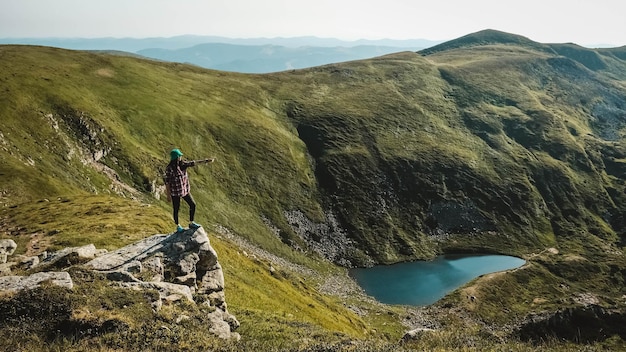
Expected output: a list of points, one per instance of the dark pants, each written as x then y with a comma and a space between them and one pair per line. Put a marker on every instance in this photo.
192, 206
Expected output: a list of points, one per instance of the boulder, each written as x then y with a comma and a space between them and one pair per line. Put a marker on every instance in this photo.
26, 263
7, 247
415, 334
222, 325
17, 283
70, 256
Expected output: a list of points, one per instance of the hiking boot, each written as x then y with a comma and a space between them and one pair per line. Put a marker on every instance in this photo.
179, 229
193, 225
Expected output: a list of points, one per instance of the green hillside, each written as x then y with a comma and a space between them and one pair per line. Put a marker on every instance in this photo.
490, 144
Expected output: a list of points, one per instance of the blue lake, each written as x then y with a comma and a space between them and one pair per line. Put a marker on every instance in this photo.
422, 283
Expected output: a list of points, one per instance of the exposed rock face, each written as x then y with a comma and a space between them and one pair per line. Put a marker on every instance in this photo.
180, 266
328, 239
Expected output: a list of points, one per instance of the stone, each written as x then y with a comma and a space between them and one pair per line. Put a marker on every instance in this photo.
415, 334
222, 324
7, 247
165, 289
181, 318
27, 263
5, 268
213, 280
217, 299
154, 267
18, 283
69, 256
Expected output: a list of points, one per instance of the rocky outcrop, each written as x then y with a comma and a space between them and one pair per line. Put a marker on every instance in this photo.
179, 266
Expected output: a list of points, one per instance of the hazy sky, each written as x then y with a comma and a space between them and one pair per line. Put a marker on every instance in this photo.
585, 22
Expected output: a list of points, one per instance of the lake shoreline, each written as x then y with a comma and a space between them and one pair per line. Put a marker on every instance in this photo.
421, 283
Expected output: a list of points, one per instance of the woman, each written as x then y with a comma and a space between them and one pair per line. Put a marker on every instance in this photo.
177, 185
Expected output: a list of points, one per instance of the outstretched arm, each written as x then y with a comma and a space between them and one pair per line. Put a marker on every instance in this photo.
205, 161
186, 164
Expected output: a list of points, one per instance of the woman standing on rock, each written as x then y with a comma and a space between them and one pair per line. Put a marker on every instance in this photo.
177, 185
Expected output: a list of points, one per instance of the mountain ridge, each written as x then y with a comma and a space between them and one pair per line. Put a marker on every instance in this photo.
593, 59
484, 37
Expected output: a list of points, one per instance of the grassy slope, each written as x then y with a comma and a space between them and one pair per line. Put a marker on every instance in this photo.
494, 130
547, 111
405, 128
551, 115
141, 110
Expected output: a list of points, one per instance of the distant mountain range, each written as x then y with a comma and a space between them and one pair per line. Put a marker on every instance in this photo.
267, 58
185, 41
252, 55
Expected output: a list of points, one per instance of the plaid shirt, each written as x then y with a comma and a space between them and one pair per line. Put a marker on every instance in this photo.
176, 177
